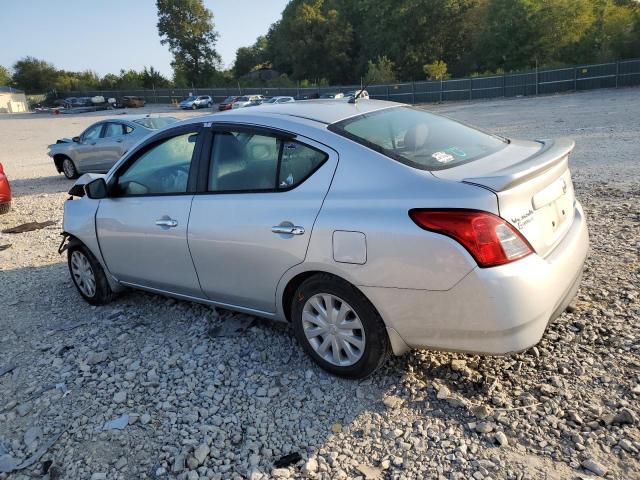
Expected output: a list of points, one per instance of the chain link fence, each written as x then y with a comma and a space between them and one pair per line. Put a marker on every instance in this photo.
622, 73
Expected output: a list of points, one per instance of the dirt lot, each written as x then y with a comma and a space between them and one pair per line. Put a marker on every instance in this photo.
202, 406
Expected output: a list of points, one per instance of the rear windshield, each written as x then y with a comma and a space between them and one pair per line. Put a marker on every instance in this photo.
418, 138
155, 123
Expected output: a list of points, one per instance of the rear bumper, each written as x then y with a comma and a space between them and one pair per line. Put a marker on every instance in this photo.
495, 310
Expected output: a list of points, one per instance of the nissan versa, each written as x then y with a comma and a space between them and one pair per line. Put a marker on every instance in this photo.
369, 226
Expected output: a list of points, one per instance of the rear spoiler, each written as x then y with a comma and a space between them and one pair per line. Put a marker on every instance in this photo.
551, 154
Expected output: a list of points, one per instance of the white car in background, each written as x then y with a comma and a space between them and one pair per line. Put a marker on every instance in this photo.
279, 99
248, 101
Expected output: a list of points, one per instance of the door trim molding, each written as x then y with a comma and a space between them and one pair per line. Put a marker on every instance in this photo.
202, 300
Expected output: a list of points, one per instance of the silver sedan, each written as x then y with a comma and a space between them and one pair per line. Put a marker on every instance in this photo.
372, 227
101, 145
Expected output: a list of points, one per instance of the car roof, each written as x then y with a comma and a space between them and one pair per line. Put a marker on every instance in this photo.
324, 111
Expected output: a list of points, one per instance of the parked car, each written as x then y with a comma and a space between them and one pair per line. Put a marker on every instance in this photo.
369, 227
5, 192
130, 102
248, 101
227, 103
195, 102
353, 93
103, 143
308, 96
332, 95
75, 102
280, 99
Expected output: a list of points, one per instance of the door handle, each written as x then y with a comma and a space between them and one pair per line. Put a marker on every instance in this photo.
119, 140
167, 222
288, 229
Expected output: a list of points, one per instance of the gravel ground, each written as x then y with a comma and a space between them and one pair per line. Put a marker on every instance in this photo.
186, 403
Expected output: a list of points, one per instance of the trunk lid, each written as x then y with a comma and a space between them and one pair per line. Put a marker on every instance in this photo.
533, 185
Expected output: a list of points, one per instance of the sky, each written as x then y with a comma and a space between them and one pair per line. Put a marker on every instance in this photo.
107, 35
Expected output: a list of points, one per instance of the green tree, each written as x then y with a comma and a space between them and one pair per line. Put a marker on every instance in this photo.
436, 70
5, 76
312, 41
151, 78
34, 76
380, 71
187, 27
250, 58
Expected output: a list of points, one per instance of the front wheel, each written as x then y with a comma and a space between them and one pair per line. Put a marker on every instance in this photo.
88, 276
69, 169
5, 207
194, 107
338, 327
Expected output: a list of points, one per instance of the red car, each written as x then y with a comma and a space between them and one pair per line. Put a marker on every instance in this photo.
227, 103
5, 192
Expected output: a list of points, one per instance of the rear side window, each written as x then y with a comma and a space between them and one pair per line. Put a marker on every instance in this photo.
247, 162
113, 130
418, 138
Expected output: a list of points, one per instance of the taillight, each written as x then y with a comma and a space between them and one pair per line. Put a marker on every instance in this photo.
488, 238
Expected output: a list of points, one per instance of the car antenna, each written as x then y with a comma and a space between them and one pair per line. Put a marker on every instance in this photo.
357, 95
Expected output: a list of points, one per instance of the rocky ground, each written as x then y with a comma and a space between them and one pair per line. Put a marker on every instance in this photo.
152, 388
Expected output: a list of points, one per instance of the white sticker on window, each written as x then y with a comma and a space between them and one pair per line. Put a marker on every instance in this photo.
443, 157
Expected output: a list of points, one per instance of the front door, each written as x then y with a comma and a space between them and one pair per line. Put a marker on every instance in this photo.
111, 146
142, 225
255, 221
88, 149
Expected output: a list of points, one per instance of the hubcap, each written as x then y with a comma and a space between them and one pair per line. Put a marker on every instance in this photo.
83, 273
333, 329
67, 168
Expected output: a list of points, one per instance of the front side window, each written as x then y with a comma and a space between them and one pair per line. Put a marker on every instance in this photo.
92, 133
113, 130
247, 162
162, 169
418, 138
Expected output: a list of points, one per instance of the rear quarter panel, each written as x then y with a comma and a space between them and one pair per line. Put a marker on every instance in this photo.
373, 194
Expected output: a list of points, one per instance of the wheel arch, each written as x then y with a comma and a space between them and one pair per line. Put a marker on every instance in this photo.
292, 281
58, 158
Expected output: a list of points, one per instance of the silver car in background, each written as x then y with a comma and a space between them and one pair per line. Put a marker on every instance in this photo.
369, 226
101, 145
194, 102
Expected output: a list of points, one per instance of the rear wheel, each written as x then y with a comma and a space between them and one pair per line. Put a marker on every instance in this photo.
69, 169
5, 207
338, 327
88, 276
194, 106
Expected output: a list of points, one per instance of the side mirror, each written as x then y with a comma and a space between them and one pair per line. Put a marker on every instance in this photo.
76, 139
96, 189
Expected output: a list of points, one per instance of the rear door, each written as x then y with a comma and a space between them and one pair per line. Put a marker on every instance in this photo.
253, 221
142, 225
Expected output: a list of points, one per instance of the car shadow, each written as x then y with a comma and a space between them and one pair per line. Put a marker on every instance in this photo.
255, 393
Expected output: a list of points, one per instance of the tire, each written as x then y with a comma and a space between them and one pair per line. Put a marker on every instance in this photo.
372, 334
81, 274
5, 207
69, 169
209, 105
194, 107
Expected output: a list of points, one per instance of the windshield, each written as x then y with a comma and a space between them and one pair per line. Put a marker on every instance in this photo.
229, 99
189, 99
155, 123
271, 100
418, 138
243, 99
